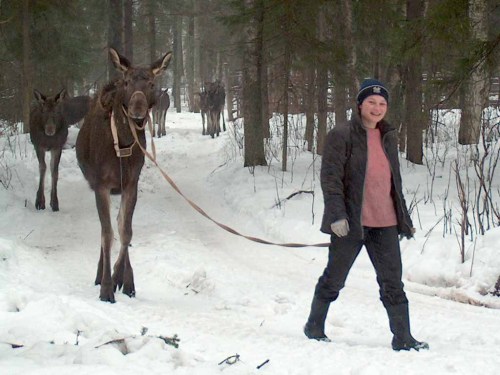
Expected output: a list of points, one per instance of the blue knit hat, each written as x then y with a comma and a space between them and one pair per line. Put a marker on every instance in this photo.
371, 87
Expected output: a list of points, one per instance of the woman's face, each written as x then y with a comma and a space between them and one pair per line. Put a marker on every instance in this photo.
373, 110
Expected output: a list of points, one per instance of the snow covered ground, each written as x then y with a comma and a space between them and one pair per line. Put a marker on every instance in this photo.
220, 294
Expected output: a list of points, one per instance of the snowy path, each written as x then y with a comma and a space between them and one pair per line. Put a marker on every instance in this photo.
219, 293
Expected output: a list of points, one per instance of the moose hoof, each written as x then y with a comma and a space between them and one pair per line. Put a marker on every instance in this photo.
107, 294
55, 207
40, 206
129, 290
107, 297
131, 294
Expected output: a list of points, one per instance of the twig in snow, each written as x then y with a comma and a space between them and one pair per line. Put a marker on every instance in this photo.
29, 233
13, 346
262, 364
172, 341
115, 341
473, 256
78, 332
231, 360
293, 195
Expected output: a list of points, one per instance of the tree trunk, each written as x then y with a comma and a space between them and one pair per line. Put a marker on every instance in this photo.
476, 85
322, 79
152, 30
190, 64
397, 105
350, 47
252, 100
115, 32
229, 92
198, 81
128, 12
343, 71
286, 83
265, 85
414, 117
322, 108
201, 37
340, 98
310, 110
265, 95
178, 63
27, 88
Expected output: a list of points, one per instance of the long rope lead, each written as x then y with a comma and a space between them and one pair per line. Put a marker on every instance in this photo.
199, 209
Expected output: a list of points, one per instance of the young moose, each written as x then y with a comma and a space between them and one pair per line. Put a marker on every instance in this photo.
49, 121
204, 109
111, 161
160, 112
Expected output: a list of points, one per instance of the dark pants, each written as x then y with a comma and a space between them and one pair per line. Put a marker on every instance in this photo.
382, 245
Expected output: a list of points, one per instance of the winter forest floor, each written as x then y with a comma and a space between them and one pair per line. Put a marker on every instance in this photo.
219, 293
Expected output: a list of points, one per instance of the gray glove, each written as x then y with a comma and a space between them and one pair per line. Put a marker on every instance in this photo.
340, 228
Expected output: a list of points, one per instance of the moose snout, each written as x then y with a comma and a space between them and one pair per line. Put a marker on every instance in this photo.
50, 129
138, 106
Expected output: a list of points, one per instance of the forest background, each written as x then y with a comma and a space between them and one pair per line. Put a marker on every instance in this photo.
284, 58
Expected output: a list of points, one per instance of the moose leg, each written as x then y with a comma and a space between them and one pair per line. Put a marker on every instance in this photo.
210, 124
214, 123
203, 121
54, 171
217, 121
223, 120
102, 199
123, 274
161, 126
42, 167
154, 117
163, 120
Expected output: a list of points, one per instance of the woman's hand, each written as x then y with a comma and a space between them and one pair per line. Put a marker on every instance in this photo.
340, 228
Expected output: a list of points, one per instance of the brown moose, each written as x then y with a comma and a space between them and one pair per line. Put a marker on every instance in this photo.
49, 121
160, 112
215, 98
112, 165
203, 109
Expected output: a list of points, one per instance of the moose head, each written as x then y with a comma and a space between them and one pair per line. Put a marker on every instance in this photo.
49, 111
138, 83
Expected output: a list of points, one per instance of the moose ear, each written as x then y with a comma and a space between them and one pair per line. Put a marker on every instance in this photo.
62, 95
39, 96
160, 65
120, 62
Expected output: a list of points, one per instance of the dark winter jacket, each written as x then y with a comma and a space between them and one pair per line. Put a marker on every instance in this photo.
343, 176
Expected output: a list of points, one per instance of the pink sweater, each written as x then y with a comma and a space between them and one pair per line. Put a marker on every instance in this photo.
378, 206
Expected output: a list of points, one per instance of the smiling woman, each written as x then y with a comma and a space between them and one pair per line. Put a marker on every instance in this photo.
364, 206
372, 100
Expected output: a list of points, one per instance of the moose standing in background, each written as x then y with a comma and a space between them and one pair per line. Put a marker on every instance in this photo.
160, 112
203, 109
216, 96
111, 161
49, 121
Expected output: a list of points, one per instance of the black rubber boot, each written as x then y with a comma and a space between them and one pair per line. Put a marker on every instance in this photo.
399, 322
315, 326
